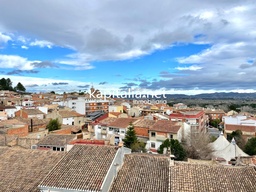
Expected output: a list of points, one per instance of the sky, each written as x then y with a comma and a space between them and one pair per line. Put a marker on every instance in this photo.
167, 46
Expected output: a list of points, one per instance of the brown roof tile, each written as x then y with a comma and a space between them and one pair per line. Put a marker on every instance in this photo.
200, 178
66, 114
56, 140
244, 128
23, 169
32, 111
122, 122
165, 126
142, 172
144, 123
84, 167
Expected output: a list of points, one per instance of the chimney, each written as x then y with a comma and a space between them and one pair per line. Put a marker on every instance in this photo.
31, 125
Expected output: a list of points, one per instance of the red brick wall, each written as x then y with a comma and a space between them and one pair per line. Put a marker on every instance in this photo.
141, 131
21, 113
21, 131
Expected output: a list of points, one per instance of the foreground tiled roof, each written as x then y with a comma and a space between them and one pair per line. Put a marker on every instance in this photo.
187, 177
142, 172
83, 168
23, 169
122, 122
56, 140
165, 126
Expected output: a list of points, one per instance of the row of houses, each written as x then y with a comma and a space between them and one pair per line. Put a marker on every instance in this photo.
87, 167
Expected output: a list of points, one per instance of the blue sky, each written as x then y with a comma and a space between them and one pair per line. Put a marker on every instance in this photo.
187, 47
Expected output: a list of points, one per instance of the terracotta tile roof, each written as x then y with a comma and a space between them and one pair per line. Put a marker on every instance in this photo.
10, 122
84, 167
122, 122
23, 169
32, 111
35, 120
243, 128
107, 121
165, 126
56, 140
219, 111
144, 123
142, 172
66, 114
200, 178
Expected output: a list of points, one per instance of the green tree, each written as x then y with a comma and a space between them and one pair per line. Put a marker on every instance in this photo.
6, 84
176, 148
138, 147
250, 146
53, 125
215, 122
238, 136
130, 137
20, 87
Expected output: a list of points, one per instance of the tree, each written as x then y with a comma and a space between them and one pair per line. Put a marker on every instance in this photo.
215, 122
197, 145
138, 147
6, 84
176, 148
238, 136
53, 125
20, 87
250, 146
130, 137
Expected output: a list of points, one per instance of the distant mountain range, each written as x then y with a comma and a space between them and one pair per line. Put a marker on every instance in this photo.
220, 95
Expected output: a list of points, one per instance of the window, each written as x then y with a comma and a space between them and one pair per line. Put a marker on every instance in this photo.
153, 134
110, 128
171, 136
153, 145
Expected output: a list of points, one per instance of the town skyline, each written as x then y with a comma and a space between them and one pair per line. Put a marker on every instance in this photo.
172, 47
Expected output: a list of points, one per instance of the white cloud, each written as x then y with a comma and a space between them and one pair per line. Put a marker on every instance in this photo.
41, 44
24, 47
190, 68
4, 38
15, 61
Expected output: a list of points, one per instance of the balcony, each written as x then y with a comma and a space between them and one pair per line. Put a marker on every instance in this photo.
161, 137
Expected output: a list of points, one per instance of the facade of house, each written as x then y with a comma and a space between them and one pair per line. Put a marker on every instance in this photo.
9, 110
246, 125
162, 130
196, 119
119, 127
141, 128
214, 114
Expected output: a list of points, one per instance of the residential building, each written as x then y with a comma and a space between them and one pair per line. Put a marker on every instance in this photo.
246, 125
55, 142
196, 119
116, 108
141, 128
13, 127
162, 130
30, 113
9, 110
214, 114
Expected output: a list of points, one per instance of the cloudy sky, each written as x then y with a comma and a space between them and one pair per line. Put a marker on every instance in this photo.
180, 46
